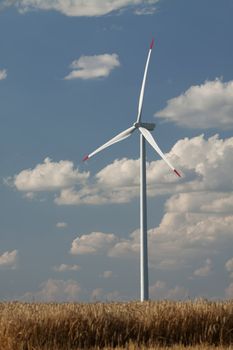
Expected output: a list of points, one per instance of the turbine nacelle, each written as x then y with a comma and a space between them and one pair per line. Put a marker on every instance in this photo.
148, 126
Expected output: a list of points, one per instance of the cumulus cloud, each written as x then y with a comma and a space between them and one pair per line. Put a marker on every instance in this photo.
209, 105
201, 202
77, 7
48, 176
107, 274
229, 267
55, 290
9, 259
209, 161
100, 294
179, 243
187, 238
126, 247
97, 293
61, 224
119, 182
204, 270
229, 291
205, 186
92, 67
181, 239
177, 293
160, 290
90, 195
205, 165
3, 74
109, 176
65, 267
197, 222
94, 242
142, 11
108, 243
108, 186
96, 195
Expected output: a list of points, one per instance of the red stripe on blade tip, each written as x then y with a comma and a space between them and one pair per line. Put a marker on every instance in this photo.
175, 171
152, 43
85, 158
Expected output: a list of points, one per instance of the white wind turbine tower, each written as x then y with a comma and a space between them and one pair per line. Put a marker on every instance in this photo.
144, 129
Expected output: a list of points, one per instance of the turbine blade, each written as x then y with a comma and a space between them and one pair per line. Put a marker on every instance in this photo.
152, 142
123, 135
140, 103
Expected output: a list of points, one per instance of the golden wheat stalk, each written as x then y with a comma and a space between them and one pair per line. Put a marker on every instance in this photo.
69, 326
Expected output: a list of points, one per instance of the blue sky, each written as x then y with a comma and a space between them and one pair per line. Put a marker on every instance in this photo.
70, 76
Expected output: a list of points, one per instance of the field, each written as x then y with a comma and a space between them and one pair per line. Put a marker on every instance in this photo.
150, 325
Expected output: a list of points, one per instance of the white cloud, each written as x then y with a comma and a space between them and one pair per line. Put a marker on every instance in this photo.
177, 293
78, 7
114, 295
229, 291
107, 274
108, 186
145, 11
9, 259
205, 165
3, 74
157, 290
160, 290
108, 243
109, 176
100, 294
91, 195
186, 238
181, 240
61, 224
126, 247
65, 267
197, 222
92, 67
209, 105
201, 202
28, 195
55, 290
204, 270
229, 267
97, 294
119, 182
48, 176
206, 183
92, 243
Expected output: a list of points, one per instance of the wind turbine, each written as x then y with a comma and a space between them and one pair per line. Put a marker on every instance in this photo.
144, 129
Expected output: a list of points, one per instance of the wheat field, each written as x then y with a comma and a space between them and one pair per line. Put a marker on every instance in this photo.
150, 325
